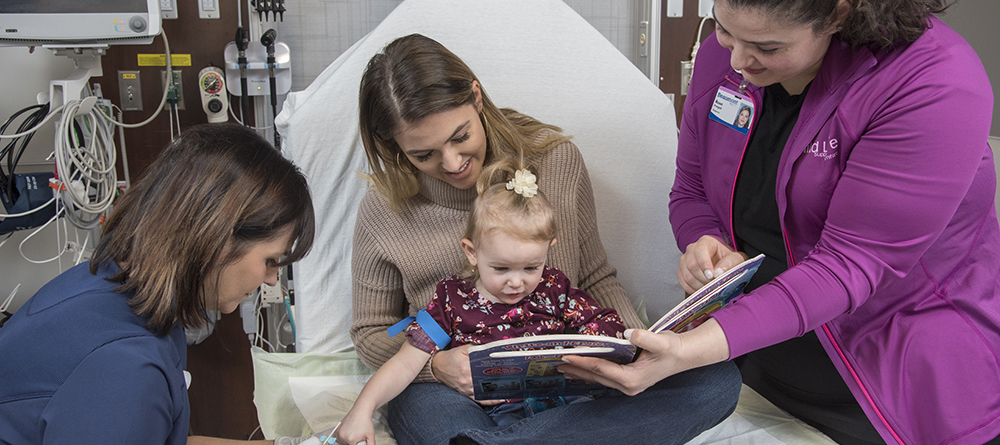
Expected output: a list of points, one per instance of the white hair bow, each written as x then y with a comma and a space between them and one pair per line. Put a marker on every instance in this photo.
523, 184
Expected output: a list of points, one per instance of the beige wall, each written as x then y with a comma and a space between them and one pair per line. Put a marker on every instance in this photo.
976, 20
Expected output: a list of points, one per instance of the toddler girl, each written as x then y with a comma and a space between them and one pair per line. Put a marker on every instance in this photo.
506, 291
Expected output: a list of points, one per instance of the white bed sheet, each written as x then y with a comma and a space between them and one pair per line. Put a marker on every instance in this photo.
300, 393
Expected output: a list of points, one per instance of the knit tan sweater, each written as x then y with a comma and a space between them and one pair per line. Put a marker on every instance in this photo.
400, 255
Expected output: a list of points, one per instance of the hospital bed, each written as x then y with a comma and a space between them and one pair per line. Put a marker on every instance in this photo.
538, 57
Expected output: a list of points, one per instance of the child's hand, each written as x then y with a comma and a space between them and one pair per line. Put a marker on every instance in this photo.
356, 427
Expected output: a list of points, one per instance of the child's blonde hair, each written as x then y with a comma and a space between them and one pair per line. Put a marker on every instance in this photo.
499, 210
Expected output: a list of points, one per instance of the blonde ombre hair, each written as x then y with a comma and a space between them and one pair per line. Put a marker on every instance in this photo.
214, 193
414, 77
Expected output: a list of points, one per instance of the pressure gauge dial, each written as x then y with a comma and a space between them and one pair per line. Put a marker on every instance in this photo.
213, 94
211, 83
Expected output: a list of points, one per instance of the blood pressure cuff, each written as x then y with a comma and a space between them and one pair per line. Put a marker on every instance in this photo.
32, 192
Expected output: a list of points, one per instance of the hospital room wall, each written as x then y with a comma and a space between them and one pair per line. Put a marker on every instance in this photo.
318, 31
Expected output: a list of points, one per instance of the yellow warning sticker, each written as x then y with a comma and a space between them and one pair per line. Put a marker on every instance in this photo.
161, 59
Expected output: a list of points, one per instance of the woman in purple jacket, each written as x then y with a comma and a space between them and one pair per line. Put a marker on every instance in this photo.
867, 181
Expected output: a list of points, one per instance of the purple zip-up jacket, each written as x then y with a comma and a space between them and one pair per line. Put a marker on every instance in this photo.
885, 191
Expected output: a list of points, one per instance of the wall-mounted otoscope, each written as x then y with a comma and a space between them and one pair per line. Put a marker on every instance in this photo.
267, 39
263, 68
242, 41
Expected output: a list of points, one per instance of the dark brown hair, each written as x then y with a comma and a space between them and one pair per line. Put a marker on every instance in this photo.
213, 193
872, 23
414, 77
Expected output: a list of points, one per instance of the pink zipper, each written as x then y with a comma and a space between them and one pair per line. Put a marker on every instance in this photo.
858, 381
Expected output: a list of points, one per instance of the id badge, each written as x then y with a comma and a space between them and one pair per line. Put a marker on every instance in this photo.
733, 110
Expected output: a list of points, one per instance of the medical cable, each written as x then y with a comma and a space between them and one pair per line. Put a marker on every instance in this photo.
697, 39
52, 114
291, 318
6, 305
16, 215
121, 146
170, 118
61, 247
240, 121
14, 150
163, 99
277, 339
260, 322
13, 154
86, 168
70, 109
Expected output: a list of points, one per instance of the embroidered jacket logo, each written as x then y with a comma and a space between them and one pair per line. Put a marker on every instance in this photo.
824, 149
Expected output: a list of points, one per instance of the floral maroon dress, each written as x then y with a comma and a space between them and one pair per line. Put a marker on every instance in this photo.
553, 308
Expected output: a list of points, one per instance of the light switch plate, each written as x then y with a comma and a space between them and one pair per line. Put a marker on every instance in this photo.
129, 91
675, 8
208, 9
168, 9
705, 8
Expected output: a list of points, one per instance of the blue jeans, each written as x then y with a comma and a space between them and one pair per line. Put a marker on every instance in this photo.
673, 411
511, 412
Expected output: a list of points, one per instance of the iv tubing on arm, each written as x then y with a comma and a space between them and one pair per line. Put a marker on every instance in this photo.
390, 380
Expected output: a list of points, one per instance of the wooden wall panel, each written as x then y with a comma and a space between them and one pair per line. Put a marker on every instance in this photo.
677, 37
221, 392
204, 40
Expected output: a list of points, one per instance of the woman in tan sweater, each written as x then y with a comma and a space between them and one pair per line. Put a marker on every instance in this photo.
429, 128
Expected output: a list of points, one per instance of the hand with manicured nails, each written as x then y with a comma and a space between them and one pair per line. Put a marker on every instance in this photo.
704, 260
663, 355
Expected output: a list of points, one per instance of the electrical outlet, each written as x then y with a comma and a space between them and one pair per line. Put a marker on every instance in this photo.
129, 90
179, 94
271, 294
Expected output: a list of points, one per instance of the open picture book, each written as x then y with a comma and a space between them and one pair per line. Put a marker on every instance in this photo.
525, 367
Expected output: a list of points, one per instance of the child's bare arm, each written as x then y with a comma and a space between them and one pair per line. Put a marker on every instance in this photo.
390, 380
